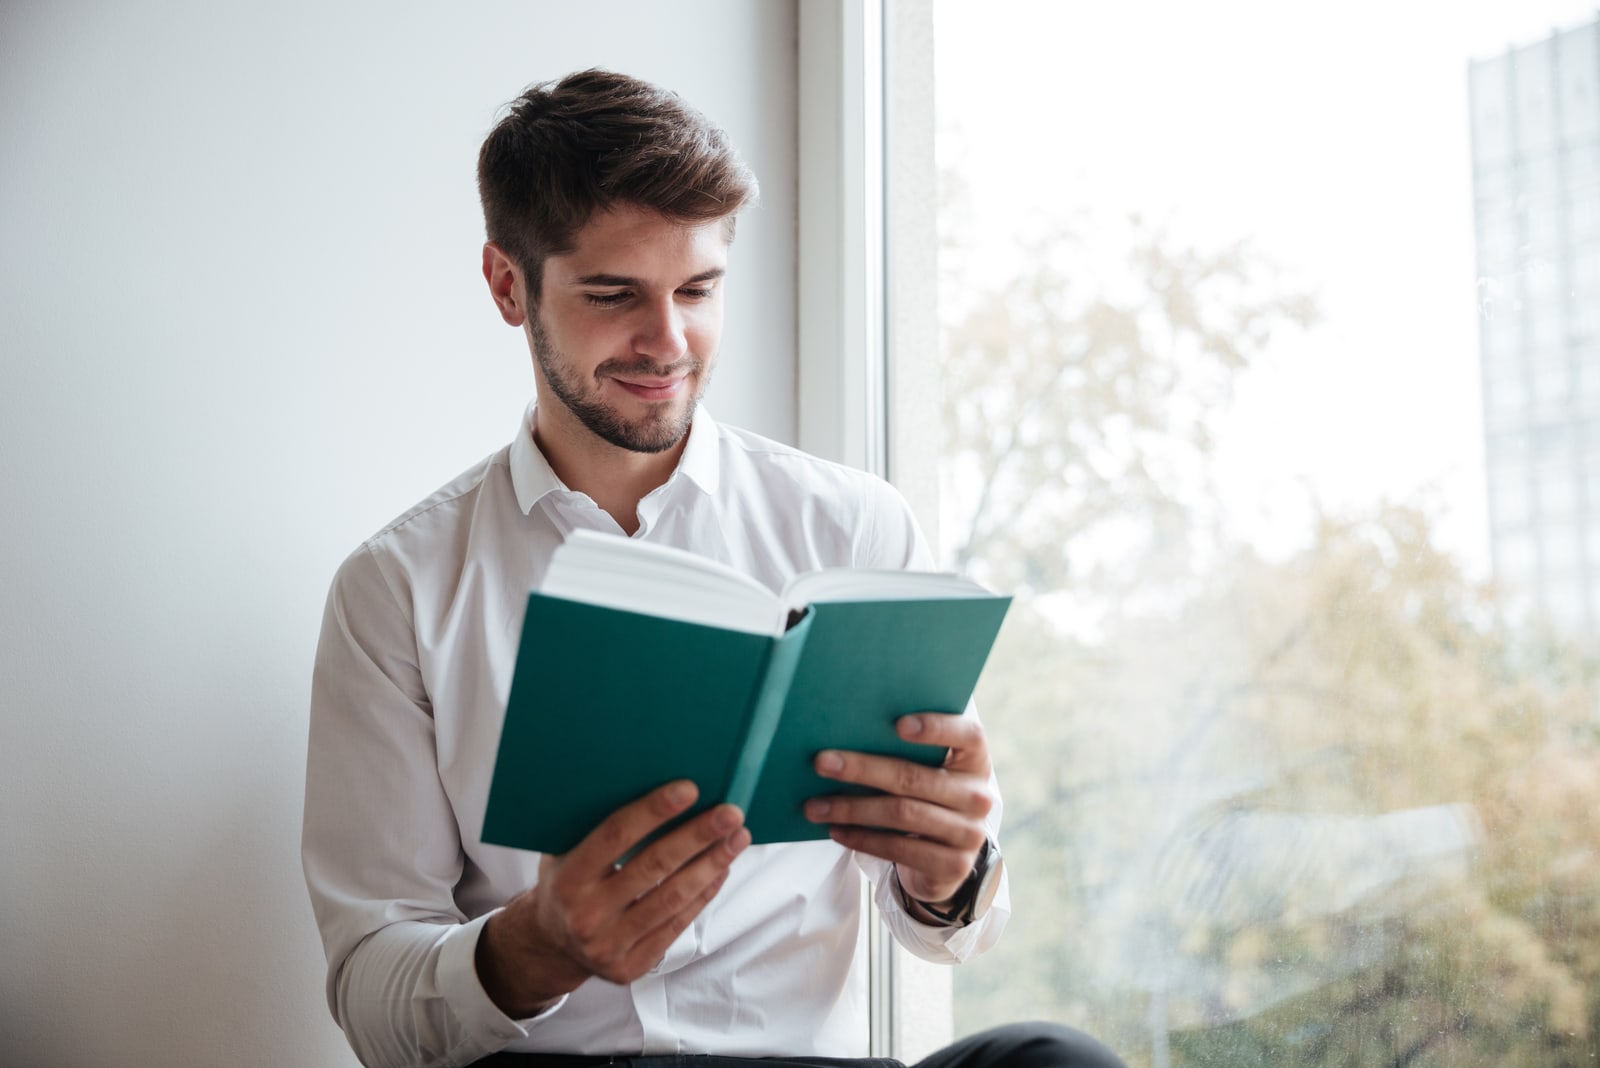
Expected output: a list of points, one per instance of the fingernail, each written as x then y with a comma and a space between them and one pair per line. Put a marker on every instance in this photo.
829, 761
739, 840
911, 725
726, 818
817, 809
680, 793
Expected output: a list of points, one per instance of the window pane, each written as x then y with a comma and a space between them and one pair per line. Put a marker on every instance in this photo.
1296, 714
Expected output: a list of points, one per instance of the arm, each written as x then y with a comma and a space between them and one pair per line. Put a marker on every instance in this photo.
410, 976
380, 845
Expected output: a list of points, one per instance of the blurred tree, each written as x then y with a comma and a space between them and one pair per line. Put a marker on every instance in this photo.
1378, 685
1079, 401
1319, 811
1321, 815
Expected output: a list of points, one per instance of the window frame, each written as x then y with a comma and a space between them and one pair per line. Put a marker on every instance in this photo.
867, 326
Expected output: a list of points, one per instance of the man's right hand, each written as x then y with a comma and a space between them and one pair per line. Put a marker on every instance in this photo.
585, 917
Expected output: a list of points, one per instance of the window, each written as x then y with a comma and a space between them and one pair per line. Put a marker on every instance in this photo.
1512, 504
1531, 78
1517, 558
1289, 777
1552, 381
1587, 275
1491, 133
1545, 229
1505, 399
1558, 501
1580, 118
1585, 197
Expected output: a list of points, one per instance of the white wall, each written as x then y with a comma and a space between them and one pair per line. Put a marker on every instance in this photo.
242, 326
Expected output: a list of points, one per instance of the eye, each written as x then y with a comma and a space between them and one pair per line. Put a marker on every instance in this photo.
697, 292
606, 300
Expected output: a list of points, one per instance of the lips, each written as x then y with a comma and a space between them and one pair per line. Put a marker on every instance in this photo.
652, 388
648, 380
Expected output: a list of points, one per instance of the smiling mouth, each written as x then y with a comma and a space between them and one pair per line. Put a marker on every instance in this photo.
648, 380
653, 388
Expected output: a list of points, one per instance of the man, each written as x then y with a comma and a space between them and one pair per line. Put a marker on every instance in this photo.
610, 207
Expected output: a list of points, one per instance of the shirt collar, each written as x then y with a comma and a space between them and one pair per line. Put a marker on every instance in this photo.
533, 478
531, 474
701, 459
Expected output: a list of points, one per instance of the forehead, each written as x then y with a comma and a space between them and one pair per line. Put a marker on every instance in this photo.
639, 243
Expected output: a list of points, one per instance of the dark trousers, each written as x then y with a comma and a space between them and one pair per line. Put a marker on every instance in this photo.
1028, 1045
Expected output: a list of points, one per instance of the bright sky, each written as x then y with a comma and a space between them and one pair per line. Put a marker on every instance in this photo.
1335, 137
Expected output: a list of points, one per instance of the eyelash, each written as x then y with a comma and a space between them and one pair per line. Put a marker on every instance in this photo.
611, 300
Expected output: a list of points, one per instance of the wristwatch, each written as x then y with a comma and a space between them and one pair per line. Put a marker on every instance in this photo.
973, 897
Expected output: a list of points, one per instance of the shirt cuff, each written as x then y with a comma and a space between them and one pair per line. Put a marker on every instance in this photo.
937, 943
464, 992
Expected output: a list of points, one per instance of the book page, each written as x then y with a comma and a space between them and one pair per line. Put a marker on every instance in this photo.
657, 580
861, 584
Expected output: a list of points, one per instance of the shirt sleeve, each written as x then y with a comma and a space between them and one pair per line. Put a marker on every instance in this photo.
938, 943
380, 844
892, 539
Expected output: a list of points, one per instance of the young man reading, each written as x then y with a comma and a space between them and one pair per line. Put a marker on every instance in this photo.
610, 207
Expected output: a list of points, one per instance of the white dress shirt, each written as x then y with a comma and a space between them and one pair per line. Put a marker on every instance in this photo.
409, 690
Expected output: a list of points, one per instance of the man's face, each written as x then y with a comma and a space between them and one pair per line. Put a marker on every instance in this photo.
626, 329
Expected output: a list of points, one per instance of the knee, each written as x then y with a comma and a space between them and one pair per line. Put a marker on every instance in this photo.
1046, 1045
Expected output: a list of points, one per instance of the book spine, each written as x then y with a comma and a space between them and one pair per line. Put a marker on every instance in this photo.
761, 724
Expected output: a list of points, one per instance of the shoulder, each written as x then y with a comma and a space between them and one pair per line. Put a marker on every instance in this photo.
746, 446
824, 497
448, 502
433, 532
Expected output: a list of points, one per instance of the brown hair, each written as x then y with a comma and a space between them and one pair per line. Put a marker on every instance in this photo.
592, 140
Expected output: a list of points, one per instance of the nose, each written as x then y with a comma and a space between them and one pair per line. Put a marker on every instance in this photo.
660, 333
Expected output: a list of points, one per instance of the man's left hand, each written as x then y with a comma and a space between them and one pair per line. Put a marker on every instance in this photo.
928, 821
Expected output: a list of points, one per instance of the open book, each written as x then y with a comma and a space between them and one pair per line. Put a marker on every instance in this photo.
640, 664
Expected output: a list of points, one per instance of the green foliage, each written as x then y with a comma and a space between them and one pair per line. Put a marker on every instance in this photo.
1202, 817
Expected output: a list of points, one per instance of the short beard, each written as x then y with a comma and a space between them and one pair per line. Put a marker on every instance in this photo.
653, 433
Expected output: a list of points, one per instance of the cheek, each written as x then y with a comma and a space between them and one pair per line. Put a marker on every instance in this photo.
591, 340
705, 334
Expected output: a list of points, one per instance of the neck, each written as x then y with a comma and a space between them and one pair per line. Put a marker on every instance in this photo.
615, 478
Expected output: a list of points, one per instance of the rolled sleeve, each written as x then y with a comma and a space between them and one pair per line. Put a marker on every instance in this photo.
940, 943
937, 943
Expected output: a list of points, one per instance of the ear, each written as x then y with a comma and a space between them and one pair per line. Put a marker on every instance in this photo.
506, 284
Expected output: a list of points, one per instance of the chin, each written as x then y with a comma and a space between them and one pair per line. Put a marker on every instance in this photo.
659, 432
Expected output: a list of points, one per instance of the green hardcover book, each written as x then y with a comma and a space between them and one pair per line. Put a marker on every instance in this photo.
641, 664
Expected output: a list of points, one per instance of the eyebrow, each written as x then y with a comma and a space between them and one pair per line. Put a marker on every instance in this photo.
623, 281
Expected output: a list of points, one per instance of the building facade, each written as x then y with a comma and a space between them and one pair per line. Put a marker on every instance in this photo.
1535, 114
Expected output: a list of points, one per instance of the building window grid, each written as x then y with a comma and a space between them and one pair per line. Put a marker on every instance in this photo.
1536, 127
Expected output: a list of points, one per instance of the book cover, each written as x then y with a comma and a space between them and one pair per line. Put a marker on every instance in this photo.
608, 704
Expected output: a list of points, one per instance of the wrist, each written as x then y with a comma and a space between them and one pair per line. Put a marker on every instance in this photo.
510, 971
970, 900
931, 914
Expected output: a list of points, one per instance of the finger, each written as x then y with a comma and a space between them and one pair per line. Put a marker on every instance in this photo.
662, 859
647, 952
905, 814
680, 898
962, 735
964, 791
929, 871
592, 859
